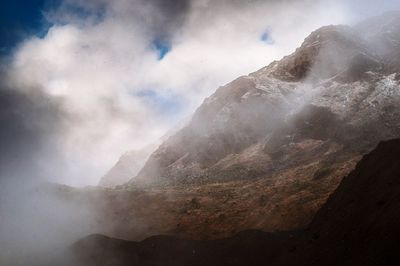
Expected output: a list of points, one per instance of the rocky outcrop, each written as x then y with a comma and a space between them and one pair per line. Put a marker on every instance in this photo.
331, 51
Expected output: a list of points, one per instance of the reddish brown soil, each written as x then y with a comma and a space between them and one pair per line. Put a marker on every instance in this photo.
209, 211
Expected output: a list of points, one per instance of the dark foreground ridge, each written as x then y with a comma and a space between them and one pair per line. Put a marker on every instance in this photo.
358, 225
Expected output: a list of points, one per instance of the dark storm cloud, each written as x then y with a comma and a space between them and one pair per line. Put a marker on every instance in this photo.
173, 11
161, 17
27, 127
170, 15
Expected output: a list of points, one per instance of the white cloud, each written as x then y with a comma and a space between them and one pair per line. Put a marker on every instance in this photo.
98, 63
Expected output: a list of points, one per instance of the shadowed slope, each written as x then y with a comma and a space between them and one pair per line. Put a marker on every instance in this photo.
357, 226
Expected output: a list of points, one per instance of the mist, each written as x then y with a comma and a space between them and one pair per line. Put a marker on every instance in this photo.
114, 76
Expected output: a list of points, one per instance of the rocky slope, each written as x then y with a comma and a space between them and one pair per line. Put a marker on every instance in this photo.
128, 165
333, 99
338, 70
214, 210
358, 225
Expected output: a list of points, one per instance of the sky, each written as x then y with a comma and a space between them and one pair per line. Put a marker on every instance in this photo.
18, 20
82, 82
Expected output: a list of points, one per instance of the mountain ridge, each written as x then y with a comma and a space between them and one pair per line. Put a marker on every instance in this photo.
332, 81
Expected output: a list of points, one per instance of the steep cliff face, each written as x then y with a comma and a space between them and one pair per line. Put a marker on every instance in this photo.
334, 97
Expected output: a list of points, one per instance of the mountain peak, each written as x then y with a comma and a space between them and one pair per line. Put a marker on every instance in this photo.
333, 77
328, 52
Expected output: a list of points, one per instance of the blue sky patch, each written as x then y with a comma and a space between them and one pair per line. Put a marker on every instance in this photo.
162, 47
266, 37
166, 103
20, 19
83, 13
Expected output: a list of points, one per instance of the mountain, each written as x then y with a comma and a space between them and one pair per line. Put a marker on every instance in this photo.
128, 165
331, 100
358, 225
266, 150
